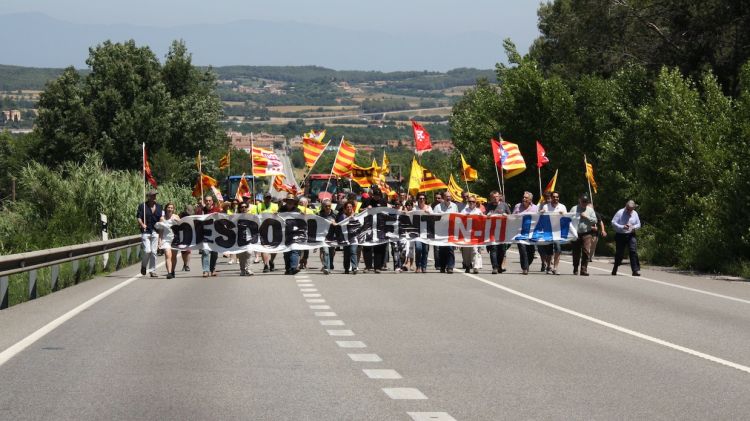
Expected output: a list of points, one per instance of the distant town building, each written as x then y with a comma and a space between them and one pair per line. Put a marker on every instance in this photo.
261, 140
12, 115
445, 146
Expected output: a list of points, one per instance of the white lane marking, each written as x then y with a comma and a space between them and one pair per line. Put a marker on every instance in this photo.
331, 322
315, 300
325, 314
311, 295
351, 344
49, 327
365, 358
668, 284
305, 285
308, 290
342, 332
403, 393
302, 276
304, 280
613, 326
318, 307
382, 373
430, 416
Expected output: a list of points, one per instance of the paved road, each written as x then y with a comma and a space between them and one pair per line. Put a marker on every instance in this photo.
364, 347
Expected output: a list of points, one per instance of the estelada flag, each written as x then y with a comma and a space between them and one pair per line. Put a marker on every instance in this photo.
467, 172
364, 176
455, 190
315, 135
242, 189
430, 182
313, 147
385, 168
344, 159
207, 182
421, 138
279, 185
541, 155
224, 162
508, 157
147, 170
266, 162
590, 173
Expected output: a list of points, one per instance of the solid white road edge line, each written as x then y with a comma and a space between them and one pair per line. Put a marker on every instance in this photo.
24, 343
621, 329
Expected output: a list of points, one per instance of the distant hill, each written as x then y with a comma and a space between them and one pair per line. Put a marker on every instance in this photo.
13, 78
33, 39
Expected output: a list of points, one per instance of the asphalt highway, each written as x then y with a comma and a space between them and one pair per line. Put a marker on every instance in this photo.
381, 347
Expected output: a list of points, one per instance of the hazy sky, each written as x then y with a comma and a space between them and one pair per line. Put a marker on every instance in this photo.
509, 18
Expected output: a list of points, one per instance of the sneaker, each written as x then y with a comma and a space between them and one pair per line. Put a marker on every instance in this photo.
636, 274
475, 271
214, 274
143, 270
170, 276
248, 273
346, 272
154, 275
449, 270
376, 271
554, 272
549, 271
326, 272
186, 268
205, 274
354, 271
272, 266
584, 273
494, 271
544, 267
398, 270
266, 269
575, 271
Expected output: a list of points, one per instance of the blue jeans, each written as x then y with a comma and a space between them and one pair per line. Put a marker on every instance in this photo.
208, 260
325, 252
497, 254
350, 257
291, 260
447, 257
421, 250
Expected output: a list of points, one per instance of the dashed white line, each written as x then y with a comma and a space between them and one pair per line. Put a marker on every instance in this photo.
331, 322
613, 326
341, 332
430, 416
308, 290
319, 307
382, 373
351, 344
403, 393
315, 300
311, 295
325, 314
365, 358
305, 285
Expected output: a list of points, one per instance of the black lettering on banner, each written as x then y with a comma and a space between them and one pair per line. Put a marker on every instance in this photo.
335, 234
270, 228
385, 225
408, 226
203, 234
183, 235
365, 231
247, 232
312, 230
296, 230
225, 228
430, 220
353, 228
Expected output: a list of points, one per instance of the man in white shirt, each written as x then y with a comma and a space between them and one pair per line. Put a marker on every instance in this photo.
447, 259
626, 222
469, 254
553, 206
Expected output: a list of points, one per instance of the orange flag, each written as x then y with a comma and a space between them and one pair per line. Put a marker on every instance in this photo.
344, 159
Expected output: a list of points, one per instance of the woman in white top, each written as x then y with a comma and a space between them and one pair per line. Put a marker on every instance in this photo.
165, 239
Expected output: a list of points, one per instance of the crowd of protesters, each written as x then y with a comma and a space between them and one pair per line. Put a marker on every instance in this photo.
404, 255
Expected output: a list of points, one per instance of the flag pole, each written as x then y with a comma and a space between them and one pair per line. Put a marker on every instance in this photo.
200, 174
252, 165
497, 173
334, 164
586, 166
539, 173
143, 167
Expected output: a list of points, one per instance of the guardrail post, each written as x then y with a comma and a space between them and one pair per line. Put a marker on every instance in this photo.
92, 264
3, 292
117, 260
74, 265
130, 250
32, 284
54, 274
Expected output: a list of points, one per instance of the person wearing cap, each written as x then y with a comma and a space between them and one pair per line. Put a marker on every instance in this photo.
291, 257
586, 226
149, 213
626, 222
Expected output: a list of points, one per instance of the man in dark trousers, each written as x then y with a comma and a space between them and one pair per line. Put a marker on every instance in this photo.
626, 222
148, 214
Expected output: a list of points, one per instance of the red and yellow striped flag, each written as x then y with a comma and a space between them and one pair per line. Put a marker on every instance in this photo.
242, 189
364, 176
455, 190
266, 162
279, 185
514, 163
344, 159
429, 182
312, 149
207, 183
224, 162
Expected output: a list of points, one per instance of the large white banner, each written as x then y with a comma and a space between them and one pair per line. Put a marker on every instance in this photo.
294, 231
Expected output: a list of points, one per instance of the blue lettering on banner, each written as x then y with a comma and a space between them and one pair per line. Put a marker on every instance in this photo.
564, 227
525, 228
543, 229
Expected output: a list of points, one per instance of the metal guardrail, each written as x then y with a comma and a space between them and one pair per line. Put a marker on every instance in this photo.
33, 261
